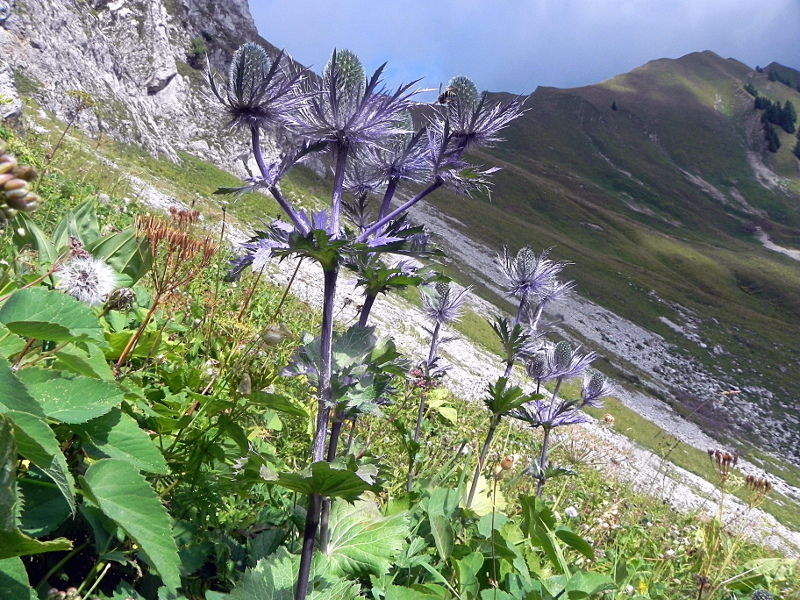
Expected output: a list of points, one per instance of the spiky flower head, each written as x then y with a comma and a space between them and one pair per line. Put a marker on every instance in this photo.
536, 366
527, 275
595, 386
550, 413
259, 91
344, 107
762, 595
442, 304
564, 362
345, 70
87, 279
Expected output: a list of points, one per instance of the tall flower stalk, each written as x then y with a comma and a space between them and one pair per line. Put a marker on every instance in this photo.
527, 278
353, 121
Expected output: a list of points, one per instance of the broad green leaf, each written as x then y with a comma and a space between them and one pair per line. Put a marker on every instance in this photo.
8, 470
15, 543
488, 498
362, 541
126, 497
395, 592
129, 256
90, 362
494, 594
81, 222
149, 344
15, 395
14, 584
33, 237
538, 523
70, 398
443, 535
277, 402
45, 508
50, 315
326, 479
10, 344
574, 541
587, 585
271, 579
467, 570
118, 435
37, 442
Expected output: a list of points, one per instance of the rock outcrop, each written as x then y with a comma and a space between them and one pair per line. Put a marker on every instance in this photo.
138, 63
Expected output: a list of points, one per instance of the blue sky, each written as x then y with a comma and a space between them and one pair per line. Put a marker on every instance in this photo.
517, 45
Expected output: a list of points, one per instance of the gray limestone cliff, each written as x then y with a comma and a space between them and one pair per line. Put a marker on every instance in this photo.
140, 63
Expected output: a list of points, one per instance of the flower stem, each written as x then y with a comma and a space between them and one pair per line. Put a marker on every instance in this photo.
398, 211
369, 301
307, 552
493, 423
387, 197
543, 461
338, 183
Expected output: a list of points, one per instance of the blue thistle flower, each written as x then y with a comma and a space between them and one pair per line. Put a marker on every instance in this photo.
529, 277
441, 304
564, 362
259, 91
595, 386
341, 109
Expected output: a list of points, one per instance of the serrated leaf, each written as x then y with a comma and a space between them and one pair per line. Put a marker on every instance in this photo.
15, 395
70, 398
8, 470
15, 543
90, 362
49, 315
118, 435
362, 541
14, 584
37, 442
128, 255
326, 479
125, 496
271, 579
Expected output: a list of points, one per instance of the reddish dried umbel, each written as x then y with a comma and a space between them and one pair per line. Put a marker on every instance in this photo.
178, 257
14, 193
758, 487
723, 462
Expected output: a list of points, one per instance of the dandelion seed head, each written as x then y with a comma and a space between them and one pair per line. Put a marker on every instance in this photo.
87, 279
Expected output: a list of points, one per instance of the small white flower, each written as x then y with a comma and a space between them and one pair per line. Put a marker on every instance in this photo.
571, 512
89, 280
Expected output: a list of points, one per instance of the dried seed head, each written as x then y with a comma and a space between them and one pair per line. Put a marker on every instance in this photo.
121, 299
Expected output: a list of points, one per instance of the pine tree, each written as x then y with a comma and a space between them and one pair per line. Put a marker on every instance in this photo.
773, 141
613, 105
788, 117
797, 149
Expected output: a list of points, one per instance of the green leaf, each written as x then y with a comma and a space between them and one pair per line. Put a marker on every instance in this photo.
277, 402
149, 343
90, 362
8, 470
467, 570
494, 594
502, 399
15, 395
15, 543
14, 584
574, 541
80, 222
125, 496
326, 479
35, 238
395, 592
271, 579
587, 585
70, 398
362, 541
10, 344
538, 523
128, 255
37, 442
118, 435
49, 315
45, 508
443, 535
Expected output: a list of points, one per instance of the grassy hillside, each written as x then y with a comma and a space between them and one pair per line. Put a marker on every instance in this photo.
646, 182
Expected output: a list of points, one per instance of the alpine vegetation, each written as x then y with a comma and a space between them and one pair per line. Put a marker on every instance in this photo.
366, 135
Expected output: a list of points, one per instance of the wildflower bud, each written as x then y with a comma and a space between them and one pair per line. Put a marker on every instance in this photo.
26, 172
508, 462
245, 385
608, 419
274, 334
465, 91
562, 355
121, 299
761, 595
349, 72
497, 472
571, 512
14, 184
